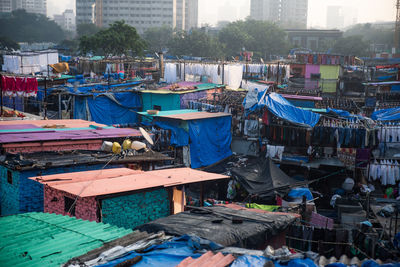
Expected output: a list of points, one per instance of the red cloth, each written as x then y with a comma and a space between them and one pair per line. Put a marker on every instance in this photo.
19, 85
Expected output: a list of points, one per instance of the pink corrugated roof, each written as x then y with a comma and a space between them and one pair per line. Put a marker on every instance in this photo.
196, 115
105, 183
41, 123
208, 259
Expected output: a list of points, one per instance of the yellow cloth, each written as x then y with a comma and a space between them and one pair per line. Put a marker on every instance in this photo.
60, 67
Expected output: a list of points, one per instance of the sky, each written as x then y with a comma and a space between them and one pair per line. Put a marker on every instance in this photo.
211, 11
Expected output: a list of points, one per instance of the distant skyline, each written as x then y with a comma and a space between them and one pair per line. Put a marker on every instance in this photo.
210, 10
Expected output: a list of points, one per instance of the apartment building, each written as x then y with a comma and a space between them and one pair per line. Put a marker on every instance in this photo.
287, 13
179, 14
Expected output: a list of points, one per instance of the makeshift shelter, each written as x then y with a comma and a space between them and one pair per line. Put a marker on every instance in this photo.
208, 135
122, 196
252, 230
177, 96
58, 135
19, 194
264, 179
42, 239
281, 108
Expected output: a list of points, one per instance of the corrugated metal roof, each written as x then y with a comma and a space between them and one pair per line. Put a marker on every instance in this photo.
98, 185
42, 239
186, 116
42, 123
208, 259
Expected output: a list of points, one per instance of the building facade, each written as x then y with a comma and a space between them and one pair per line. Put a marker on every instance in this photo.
286, 13
31, 6
179, 14
5, 6
66, 20
316, 40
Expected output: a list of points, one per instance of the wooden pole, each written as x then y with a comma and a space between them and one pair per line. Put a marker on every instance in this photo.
1, 87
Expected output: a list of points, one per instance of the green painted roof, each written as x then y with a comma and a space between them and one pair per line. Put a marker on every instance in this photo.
42, 239
169, 112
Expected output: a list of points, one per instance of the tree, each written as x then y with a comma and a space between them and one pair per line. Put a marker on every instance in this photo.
373, 34
351, 46
196, 43
87, 29
8, 44
261, 37
117, 40
21, 26
158, 39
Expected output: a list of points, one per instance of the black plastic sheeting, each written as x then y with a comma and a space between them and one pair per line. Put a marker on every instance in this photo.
263, 179
222, 225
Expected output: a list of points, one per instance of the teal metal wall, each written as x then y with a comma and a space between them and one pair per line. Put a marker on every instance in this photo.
133, 210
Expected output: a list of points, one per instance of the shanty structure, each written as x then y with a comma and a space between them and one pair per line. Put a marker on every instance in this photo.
19, 194
177, 96
122, 196
207, 136
57, 135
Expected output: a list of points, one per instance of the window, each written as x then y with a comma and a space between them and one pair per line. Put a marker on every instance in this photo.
9, 177
69, 205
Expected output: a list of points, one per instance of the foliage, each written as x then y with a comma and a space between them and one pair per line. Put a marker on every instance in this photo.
117, 40
86, 29
351, 45
158, 39
261, 37
70, 46
196, 43
21, 26
8, 44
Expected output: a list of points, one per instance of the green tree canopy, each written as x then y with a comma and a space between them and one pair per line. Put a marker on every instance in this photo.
196, 43
21, 26
117, 40
158, 39
86, 29
351, 45
261, 37
8, 44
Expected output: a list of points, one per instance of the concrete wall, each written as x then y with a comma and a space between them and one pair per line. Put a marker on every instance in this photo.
54, 202
132, 210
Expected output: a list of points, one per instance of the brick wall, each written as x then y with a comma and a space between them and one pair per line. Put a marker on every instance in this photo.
9, 193
133, 210
85, 208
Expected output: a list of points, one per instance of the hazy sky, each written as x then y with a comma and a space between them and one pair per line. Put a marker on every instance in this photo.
211, 10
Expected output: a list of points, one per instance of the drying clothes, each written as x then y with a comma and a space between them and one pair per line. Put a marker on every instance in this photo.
19, 86
386, 171
170, 73
233, 75
275, 152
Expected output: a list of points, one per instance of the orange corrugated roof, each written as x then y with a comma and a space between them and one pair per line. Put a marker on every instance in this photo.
67, 123
195, 115
112, 182
87, 176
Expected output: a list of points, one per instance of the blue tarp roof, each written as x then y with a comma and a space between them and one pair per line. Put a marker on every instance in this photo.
283, 109
391, 114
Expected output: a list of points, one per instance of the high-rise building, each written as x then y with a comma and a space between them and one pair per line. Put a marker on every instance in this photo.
334, 17
66, 20
31, 6
179, 14
287, 13
5, 6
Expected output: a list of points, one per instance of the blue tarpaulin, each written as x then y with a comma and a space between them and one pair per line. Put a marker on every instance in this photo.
179, 137
283, 109
108, 108
259, 261
170, 253
391, 114
210, 140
